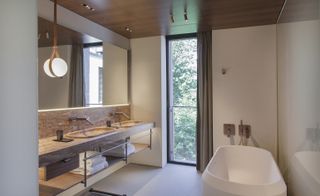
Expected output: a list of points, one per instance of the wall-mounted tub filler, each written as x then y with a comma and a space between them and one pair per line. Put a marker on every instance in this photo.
229, 130
242, 171
244, 133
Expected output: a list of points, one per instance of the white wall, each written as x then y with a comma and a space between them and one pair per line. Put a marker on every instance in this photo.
148, 98
299, 108
115, 66
53, 92
248, 91
18, 87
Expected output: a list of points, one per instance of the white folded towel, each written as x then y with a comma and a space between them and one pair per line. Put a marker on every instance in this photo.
92, 162
91, 170
89, 153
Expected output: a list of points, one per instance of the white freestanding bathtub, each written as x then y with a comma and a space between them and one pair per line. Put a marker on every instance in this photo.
242, 171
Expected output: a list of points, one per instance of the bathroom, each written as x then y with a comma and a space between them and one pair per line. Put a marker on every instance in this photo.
190, 98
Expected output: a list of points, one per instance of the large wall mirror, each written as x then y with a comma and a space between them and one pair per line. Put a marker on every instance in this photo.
97, 71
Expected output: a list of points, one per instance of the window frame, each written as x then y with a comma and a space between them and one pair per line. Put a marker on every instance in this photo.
168, 85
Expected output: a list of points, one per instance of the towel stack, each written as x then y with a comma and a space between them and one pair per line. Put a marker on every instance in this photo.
94, 165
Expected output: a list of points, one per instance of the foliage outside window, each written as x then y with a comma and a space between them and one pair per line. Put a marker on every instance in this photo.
184, 81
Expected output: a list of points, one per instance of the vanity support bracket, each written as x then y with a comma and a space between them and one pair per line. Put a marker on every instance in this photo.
150, 142
85, 170
126, 150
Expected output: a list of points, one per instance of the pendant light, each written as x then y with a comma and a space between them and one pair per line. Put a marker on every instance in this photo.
55, 66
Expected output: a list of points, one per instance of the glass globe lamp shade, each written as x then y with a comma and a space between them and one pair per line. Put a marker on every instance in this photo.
59, 67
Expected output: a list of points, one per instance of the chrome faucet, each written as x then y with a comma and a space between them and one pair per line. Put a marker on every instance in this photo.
80, 119
123, 114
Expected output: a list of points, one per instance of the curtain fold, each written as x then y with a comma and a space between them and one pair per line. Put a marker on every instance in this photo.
204, 100
76, 83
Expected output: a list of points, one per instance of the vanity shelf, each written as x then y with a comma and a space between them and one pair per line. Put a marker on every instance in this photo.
65, 181
52, 152
59, 183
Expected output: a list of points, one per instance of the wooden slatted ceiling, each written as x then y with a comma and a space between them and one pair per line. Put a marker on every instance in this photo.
152, 17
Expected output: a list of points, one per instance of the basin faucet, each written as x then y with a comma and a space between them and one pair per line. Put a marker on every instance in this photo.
123, 114
80, 119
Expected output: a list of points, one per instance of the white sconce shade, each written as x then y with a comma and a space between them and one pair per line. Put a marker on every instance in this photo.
59, 67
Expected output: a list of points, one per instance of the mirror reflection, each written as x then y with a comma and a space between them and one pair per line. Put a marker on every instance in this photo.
97, 71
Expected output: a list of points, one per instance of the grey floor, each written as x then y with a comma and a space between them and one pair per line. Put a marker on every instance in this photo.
138, 180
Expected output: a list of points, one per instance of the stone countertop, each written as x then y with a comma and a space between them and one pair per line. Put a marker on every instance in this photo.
51, 151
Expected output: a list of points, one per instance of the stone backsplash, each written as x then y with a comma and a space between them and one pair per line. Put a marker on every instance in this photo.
52, 120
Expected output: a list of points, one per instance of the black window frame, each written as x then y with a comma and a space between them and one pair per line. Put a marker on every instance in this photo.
168, 39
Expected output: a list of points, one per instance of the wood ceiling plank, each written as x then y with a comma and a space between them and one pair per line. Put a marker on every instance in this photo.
152, 17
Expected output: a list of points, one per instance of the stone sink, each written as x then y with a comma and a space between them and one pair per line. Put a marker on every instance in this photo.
90, 132
126, 124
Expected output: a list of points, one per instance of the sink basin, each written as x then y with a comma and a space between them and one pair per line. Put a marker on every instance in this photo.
126, 124
91, 132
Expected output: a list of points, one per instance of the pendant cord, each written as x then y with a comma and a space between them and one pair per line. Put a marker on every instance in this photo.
55, 39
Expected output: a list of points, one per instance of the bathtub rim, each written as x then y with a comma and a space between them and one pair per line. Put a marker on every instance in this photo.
299, 167
212, 180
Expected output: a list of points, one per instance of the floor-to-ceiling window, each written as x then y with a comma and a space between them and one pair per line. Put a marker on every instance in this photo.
182, 98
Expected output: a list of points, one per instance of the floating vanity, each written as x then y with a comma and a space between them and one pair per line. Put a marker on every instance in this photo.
57, 159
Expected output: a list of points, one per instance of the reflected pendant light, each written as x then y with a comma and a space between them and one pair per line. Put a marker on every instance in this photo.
55, 66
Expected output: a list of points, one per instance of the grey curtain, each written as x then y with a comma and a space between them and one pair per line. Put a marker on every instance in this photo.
204, 101
76, 84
